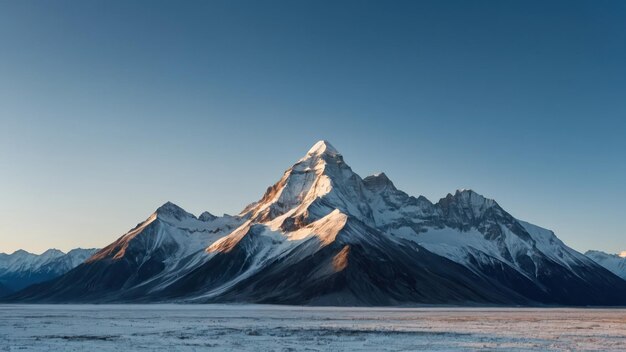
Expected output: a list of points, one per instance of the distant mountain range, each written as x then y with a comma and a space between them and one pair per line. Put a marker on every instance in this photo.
22, 269
616, 263
322, 235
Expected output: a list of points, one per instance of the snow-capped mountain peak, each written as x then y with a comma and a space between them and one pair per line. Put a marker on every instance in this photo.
378, 182
172, 226
466, 203
470, 197
172, 211
206, 216
19, 252
623, 254
52, 253
323, 147
312, 188
49, 255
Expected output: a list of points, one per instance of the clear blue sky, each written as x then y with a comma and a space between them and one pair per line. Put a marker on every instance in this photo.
110, 108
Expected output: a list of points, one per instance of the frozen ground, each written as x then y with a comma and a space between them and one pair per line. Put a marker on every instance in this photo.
277, 328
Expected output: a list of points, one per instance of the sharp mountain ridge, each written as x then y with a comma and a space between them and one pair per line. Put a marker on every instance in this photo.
322, 235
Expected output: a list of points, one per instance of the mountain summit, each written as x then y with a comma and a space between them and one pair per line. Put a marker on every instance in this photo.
323, 147
322, 235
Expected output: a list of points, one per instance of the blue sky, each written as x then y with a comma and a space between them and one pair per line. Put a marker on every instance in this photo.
110, 108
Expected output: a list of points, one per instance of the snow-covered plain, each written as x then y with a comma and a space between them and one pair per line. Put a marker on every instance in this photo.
289, 328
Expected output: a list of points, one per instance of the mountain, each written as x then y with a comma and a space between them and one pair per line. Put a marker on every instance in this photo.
22, 269
616, 263
322, 235
155, 252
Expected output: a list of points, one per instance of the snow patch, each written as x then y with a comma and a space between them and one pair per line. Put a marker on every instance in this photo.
326, 229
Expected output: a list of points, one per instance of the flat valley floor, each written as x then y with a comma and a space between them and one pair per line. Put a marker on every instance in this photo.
171, 327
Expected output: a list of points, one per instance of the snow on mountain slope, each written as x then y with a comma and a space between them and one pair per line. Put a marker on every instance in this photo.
396, 211
324, 235
334, 260
547, 243
476, 232
152, 252
317, 184
249, 249
21, 260
462, 223
466, 227
479, 230
616, 263
168, 226
21, 269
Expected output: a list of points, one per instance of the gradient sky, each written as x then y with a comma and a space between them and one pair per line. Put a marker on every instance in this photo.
110, 108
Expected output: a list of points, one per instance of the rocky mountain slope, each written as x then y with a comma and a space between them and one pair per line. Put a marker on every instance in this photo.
323, 235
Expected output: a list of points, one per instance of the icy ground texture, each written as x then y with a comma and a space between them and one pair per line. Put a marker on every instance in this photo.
281, 328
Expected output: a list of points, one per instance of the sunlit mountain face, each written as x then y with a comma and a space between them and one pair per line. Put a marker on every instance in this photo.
323, 235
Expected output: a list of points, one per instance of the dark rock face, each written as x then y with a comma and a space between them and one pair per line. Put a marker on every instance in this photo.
4, 291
